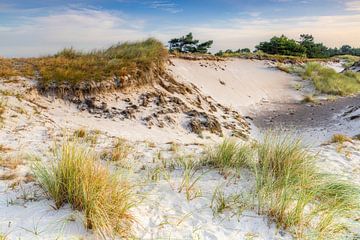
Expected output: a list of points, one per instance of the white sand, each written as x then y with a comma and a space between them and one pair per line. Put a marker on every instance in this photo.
247, 82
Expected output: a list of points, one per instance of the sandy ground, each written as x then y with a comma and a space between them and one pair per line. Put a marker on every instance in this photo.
30, 129
238, 83
316, 123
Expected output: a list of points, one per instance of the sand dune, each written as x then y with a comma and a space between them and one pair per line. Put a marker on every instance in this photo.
238, 83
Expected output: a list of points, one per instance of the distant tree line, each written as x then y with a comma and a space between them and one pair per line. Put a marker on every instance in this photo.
306, 47
187, 44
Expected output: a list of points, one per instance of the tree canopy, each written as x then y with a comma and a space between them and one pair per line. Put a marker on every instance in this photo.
282, 46
305, 47
187, 44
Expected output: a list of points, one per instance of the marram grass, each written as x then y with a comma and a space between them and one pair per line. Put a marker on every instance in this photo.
291, 190
78, 178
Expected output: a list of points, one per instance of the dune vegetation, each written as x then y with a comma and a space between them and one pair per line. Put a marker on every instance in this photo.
327, 80
78, 178
289, 187
73, 67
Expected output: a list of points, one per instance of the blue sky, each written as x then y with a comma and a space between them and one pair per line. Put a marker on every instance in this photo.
34, 27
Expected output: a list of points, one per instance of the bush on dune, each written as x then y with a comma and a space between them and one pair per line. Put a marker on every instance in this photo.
78, 178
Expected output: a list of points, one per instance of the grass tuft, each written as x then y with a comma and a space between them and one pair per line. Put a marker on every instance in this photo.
290, 189
309, 99
327, 80
230, 154
340, 138
78, 178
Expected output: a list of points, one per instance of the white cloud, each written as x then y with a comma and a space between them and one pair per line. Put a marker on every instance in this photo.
93, 28
81, 28
238, 33
165, 6
352, 6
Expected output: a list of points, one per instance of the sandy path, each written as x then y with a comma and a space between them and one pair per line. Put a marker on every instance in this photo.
317, 123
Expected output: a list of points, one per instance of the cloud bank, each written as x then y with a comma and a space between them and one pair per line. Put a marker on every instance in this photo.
87, 29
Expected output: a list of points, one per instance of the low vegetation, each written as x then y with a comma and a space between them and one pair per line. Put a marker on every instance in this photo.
309, 99
340, 138
291, 190
135, 60
327, 80
2, 110
230, 155
118, 153
78, 178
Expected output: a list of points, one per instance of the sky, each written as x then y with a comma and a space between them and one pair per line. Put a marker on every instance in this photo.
39, 27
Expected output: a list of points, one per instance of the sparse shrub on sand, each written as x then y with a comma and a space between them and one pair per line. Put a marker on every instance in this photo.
309, 99
78, 178
2, 110
190, 177
118, 153
87, 136
327, 80
340, 138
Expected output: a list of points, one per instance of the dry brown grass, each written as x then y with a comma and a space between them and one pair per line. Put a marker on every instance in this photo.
8, 176
119, 152
4, 148
10, 163
340, 138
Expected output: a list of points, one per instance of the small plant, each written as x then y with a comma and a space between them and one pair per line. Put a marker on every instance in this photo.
230, 154
190, 169
309, 99
2, 110
174, 147
340, 138
119, 152
78, 178
298, 86
87, 136
80, 133
234, 202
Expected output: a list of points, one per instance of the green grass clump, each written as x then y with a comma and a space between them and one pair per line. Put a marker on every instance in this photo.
78, 178
230, 154
290, 189
327, 80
